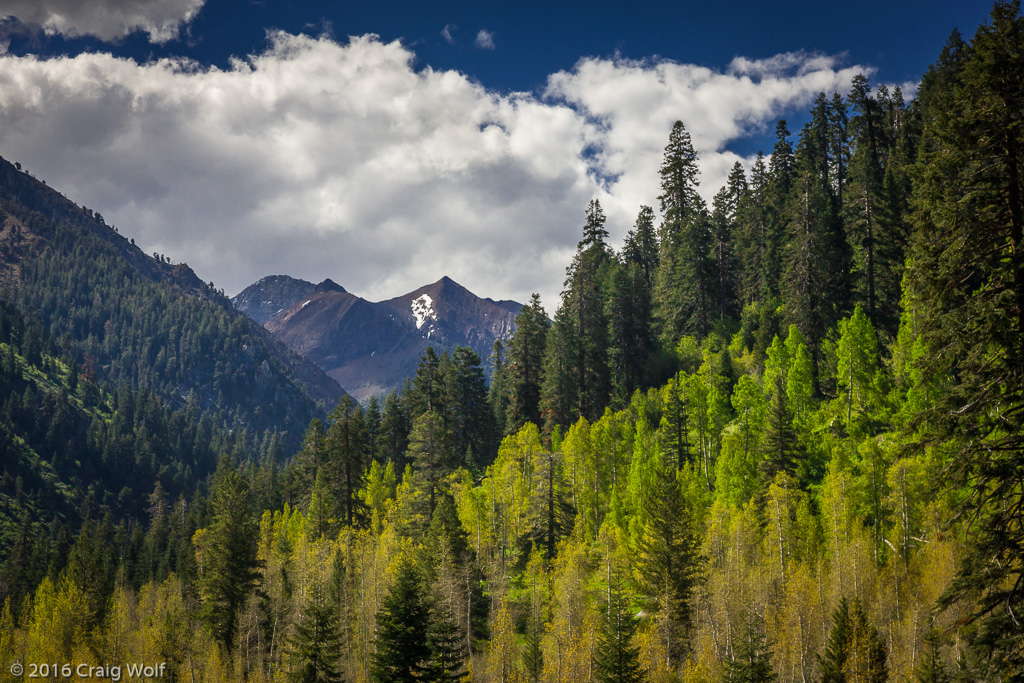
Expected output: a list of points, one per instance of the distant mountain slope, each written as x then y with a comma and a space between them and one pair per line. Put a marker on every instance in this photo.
453, 314
370, 348
147, 322
263, 300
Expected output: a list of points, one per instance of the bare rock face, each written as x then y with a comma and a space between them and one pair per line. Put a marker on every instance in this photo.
370, 348
263, 300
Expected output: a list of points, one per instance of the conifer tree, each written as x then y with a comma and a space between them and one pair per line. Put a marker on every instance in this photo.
576, 364
668, 561
533, 655
322, 507
684, 289
231, 568
395, 425
315, 649
724, 257
675, 428
497, 390
585, 299
855, 653
641, 246
814, 273
630, 309
617, 659
308, 461
473, 428
346, 447
751, 236
968, 273
550, 512
428, 384
525, 366
372, 421
751, 662
864, 206
559, 393
431, 449
931, 668
781, 179
781, 448
447, 648
402, 649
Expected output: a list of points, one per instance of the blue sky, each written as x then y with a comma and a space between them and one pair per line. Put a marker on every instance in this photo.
255, 138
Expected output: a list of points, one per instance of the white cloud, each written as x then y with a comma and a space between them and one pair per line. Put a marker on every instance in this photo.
635, 104
485, 39
320, 159
449, 33
105, 19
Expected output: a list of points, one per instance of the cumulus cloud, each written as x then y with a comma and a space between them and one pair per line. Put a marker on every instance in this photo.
485, 40
448, 33
633, 103
105, 19
319, 159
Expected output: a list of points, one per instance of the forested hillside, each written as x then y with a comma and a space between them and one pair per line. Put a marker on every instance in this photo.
144, 321
775, 439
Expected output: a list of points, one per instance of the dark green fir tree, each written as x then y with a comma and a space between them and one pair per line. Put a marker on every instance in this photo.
402, 643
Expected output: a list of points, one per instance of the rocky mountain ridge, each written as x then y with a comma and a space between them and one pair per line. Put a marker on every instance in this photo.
368, 347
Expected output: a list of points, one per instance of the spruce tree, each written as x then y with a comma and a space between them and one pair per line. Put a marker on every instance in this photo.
968, 274
428, 384
855, 653
616, 658
577, 379
524, 367
372, 421
402, 649
559, 393
314, 651
684, 293
550, 514
231, 568
863, 207
473, 427
533, 655
630, 313
812, 273
346, 450
641, 246
724, 228
497, 390
432, 451
781, 448
446, 644
781, 179
751, 236
675, 428
751, 662
395, 425
931, 668
668, 560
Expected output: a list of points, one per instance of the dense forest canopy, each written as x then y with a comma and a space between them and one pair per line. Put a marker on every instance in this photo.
777, 438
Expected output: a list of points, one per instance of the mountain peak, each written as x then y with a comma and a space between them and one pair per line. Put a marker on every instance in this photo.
445, 284
269, 296
329, 285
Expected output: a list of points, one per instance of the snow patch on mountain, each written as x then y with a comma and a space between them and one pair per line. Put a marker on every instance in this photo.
423, 310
